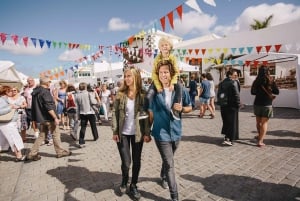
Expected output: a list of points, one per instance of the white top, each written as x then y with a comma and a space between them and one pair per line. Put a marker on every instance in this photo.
129, 125
168, 97
104, 96
212, 88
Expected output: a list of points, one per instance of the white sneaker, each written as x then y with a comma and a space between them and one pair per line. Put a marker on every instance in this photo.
227, 142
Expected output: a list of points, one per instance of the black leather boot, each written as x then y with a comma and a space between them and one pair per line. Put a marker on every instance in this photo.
123, 186
134, 192
174, 197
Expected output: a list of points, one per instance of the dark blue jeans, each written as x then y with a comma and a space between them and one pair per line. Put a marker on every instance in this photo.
84, 118
167, 151
124, 150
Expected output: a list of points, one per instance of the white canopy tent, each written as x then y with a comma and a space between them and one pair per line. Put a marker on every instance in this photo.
286, 35
9, 75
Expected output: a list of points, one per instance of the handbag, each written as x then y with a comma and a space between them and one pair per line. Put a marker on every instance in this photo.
7, 117
101, 110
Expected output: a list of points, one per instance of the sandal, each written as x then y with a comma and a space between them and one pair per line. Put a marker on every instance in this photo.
50, 143
22, 158
261, 145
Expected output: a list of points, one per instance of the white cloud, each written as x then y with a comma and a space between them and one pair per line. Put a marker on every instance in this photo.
190, 23
71, 55
117, 24
19, 49
282, 13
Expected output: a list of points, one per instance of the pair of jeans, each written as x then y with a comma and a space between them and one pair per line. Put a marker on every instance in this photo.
45, 128
167, 151
124, 150
84, 119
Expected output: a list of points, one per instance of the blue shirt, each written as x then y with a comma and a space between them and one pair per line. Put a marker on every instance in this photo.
165, 128
205, 85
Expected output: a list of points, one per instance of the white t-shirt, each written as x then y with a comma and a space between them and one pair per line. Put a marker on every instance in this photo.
105, 96
168, 97
129, 124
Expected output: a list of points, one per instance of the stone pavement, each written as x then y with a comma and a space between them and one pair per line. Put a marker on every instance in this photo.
205, 169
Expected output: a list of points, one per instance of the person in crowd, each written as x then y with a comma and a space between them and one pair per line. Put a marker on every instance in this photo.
166, 130
27, 94
44, 112
229, 111
128, 130
93, 94
204, 97
212, 93
9, 130
60, 96
86, 113
19, 100
165, 46
193, 90
71, 108
105, 99
263, 88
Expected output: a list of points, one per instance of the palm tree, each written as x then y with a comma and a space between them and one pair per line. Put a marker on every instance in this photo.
261, 24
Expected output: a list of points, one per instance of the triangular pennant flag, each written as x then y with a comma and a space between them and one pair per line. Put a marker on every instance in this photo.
219, 61
3, 38
54, 44
59, 44
255, 63
179, 11
233, 50
210, 50
197, 51
190, 51
66, 45
277, 47
288, 47
184, 52
163, 23
225, 50
170, 17
241, 50
258, 49
240, 62
210, 2
225, 61
15, 38
249, 49
194, 5
268, 47
48, 42
218, 49
265, 63
25, 41
33, 40
247, 63
203, 51
41, 43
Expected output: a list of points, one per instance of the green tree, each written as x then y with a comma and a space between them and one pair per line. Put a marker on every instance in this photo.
261, 24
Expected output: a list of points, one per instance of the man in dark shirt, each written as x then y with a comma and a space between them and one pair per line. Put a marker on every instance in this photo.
43, 112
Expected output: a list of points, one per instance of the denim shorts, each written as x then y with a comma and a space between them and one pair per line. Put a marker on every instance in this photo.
263, 111
204, 100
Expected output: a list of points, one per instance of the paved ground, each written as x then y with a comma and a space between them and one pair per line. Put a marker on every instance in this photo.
205, 169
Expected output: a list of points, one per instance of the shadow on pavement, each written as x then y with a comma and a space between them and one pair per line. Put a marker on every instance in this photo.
80, 177
284, 133
240, 188
203, 139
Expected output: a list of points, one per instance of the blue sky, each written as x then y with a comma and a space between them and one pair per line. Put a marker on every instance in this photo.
110, 22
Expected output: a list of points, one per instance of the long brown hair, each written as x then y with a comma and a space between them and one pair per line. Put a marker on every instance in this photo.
4, 89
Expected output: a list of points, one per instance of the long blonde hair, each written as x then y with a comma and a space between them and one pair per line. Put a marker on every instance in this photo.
137, 81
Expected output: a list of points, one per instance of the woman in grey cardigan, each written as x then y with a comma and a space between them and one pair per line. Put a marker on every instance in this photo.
128, 129
9, 130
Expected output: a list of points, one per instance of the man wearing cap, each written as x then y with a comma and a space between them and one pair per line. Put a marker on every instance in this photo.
43, 111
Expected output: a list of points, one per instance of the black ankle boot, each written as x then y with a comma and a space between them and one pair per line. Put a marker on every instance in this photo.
134, 192
123, 186
174, 197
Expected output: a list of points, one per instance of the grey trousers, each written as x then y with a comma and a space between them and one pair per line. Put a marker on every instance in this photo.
167, 151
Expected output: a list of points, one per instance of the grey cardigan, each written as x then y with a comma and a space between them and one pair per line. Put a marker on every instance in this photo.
118, 116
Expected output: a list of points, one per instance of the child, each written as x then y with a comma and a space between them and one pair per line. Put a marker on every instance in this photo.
165, 46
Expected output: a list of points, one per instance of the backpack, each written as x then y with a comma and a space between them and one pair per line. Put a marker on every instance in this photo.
222, 95
71, 106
